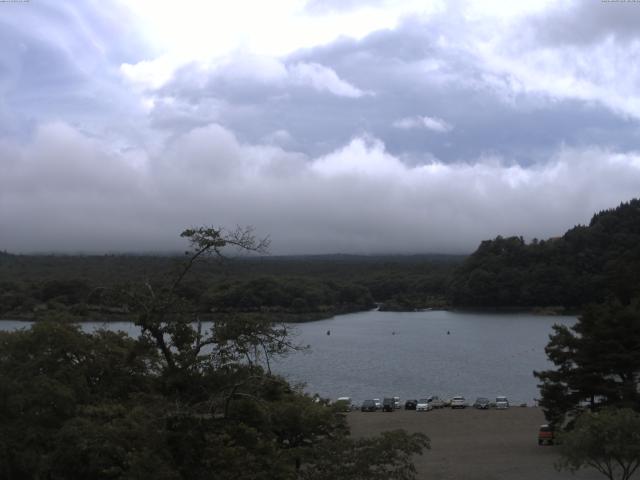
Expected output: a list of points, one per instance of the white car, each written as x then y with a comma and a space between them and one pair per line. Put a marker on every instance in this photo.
502, 402
396, 402
458, 402
378, 403
423, 405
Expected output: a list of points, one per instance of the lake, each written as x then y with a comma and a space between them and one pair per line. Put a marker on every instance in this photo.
413, 355
377, 354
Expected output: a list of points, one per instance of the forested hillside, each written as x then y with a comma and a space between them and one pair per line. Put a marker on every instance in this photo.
291, 288
586, 265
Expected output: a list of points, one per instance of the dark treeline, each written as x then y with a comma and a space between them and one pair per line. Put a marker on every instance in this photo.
293, 288
588, 264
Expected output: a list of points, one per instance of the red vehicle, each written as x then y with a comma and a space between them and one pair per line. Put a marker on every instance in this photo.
546, 435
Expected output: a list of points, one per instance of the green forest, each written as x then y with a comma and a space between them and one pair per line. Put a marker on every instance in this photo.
588, 264
293, 288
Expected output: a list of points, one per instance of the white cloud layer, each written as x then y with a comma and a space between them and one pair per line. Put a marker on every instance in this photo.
65, 191
334, 125
323, 79
151, 75
430, 123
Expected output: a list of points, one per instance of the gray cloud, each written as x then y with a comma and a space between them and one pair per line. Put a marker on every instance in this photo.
421, 66
584, 23
64, 191
528, 132
60, 60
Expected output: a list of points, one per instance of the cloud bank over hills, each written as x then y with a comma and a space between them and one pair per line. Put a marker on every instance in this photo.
446, 125
77, 195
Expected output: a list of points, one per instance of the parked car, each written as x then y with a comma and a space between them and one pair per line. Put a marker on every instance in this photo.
388, 404
396, 402
481, 403
435, 401
546, 435
423, 405
410, 404
458, 402
502, 402
368, 406
378, 403
343, 404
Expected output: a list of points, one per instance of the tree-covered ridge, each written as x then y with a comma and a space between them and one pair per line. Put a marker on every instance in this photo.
300, 288
288, 294
587, 264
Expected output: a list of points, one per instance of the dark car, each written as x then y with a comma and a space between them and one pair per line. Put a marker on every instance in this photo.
482, 403
410, 404
388, 404
368, 406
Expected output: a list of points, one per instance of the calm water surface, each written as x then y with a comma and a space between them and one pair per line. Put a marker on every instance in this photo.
377, 354
411, 355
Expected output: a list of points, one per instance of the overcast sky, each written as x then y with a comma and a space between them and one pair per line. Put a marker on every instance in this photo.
331, 125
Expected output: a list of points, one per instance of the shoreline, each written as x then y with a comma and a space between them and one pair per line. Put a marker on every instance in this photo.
316, 316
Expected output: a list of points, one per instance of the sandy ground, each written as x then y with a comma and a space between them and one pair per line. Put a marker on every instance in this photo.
474, 444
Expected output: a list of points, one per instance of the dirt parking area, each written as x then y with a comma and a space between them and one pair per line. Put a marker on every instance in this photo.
474, 444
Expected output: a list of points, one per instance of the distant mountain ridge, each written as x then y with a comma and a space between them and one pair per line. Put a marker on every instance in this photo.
292, 287
587, 264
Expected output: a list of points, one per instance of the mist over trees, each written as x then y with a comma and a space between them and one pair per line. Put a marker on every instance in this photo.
588, 264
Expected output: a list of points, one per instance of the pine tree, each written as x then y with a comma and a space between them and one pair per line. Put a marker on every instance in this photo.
597, 360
